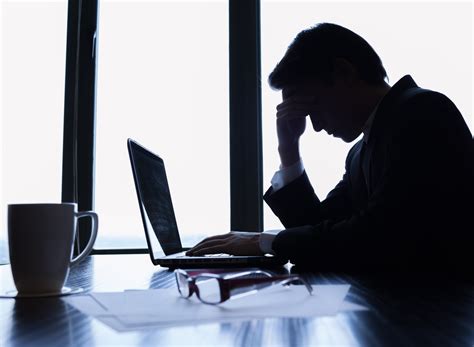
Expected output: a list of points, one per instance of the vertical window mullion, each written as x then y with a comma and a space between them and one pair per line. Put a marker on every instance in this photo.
79, 111
245, 124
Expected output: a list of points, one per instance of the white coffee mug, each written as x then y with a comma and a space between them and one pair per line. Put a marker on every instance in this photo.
40, 238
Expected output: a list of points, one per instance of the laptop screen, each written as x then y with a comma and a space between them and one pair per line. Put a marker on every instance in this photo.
155, 199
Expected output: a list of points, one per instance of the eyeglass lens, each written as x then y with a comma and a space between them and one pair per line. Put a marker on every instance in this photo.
209, 289
250, 286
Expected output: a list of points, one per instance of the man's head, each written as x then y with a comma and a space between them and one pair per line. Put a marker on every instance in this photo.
340, 71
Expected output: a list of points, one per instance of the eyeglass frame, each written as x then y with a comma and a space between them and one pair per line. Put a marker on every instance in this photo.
234, 281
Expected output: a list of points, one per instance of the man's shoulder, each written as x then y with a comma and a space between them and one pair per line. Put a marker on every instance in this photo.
406, 97
426, 104
419, 108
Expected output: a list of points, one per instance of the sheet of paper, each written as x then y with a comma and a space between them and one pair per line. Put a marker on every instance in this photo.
131, 310
145, 323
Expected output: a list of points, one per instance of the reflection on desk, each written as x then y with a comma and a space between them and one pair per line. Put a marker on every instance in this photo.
401, 313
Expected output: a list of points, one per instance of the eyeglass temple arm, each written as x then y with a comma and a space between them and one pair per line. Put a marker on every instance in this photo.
234, 283
306, 284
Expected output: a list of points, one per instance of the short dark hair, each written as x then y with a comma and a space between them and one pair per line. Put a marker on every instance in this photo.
312, 53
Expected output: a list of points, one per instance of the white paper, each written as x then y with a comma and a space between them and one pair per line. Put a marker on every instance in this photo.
131, 310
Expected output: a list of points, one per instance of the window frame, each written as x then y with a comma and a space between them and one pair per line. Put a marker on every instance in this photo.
245, 123
79, 112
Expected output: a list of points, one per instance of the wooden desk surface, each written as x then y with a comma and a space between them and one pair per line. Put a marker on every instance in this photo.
401, 313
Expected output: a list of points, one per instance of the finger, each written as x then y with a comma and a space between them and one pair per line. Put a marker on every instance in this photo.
297, 106
292, 114
214, 238
294, 106
197, 248
201, 246
211, 238
295, 110
298, 100
221, 248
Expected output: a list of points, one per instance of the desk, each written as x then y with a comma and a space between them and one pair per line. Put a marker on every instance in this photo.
400, 314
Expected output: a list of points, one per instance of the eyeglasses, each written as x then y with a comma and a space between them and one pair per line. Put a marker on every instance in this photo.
214, 289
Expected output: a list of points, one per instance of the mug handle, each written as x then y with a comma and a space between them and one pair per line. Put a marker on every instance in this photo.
90, 244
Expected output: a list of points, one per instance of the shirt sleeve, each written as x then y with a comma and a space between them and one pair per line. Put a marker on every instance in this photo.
266, 240
286, 175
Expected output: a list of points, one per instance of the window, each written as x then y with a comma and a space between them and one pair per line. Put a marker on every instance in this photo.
163, 80
33, 52
432, 41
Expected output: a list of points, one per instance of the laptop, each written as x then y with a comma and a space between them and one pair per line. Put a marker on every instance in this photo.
159, 222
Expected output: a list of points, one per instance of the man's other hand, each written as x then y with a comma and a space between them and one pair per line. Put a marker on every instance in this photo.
235, 243
291, 124
291, 119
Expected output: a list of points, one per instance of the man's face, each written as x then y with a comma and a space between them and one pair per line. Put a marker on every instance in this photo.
332, 108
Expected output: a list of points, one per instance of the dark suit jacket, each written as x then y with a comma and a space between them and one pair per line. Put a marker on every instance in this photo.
404, 202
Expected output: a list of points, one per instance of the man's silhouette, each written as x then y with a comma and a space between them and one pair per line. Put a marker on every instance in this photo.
406, 198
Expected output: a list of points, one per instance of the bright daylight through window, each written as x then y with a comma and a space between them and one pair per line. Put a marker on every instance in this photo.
163, 81
32, 60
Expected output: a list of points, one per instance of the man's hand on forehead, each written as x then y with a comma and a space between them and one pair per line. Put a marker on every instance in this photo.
296, 107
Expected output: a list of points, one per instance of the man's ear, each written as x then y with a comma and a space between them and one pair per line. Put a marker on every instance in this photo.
345, 72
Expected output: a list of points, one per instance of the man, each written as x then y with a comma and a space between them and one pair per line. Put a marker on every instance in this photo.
406, 198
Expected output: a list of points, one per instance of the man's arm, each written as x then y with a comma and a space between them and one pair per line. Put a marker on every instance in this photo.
294, 211
296, 203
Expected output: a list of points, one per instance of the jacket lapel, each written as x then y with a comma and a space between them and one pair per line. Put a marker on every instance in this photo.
373, 160
358, 181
